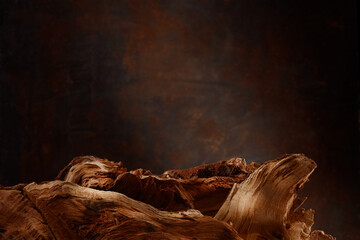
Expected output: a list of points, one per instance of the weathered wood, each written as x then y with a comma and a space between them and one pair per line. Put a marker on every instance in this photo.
204, 187
20, 219
94, 198
229, 168
320, 235
265, 205
74, 212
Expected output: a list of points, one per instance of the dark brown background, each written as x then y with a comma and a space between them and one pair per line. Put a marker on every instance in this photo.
174, 84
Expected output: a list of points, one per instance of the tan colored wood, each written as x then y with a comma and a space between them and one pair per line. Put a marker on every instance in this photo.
265, 205
95, 198
75, 212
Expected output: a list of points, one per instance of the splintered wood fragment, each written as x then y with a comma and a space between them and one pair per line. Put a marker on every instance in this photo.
259, 207
229, 168
75, 212
320, 235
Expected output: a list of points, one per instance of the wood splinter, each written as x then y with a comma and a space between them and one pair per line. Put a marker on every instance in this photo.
265, 205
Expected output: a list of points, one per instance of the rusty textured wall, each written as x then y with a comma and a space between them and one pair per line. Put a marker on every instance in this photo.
173, 84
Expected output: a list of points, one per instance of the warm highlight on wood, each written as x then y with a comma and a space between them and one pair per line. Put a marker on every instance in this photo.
94, 198
266, 198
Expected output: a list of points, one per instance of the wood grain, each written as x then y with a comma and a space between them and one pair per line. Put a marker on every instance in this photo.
94, 198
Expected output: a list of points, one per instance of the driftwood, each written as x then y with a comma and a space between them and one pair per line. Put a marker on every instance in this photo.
266, 198
94, 198
203, 188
